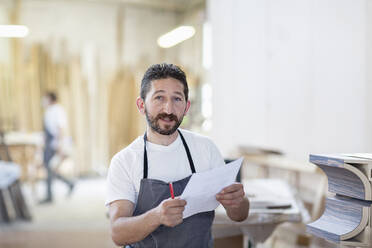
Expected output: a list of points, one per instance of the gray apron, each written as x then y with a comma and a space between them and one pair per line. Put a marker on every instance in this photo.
49, 152
194, 231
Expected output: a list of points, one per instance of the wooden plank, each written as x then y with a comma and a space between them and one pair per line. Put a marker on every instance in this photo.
19, 202
280, 162
4, 213
122, 111
80, 123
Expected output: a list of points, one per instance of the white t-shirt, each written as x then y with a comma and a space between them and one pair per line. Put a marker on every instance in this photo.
166, 163
55, 119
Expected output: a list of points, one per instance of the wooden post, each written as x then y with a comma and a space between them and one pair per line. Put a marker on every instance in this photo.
16, 70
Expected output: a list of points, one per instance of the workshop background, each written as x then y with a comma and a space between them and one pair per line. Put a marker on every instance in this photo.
270, 80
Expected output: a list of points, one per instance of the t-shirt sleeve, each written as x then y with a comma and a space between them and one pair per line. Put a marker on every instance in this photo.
216, 158
119, 185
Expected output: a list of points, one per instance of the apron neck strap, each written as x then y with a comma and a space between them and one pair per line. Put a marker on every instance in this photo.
192, 167
145, 161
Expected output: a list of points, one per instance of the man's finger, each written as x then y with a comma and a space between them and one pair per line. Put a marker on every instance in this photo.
234, 202
175, 203
174, 211
231, 188
229, 196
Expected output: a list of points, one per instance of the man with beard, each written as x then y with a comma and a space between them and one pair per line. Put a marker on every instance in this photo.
142, 213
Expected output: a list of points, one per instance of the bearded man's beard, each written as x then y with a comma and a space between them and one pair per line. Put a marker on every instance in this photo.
168, 129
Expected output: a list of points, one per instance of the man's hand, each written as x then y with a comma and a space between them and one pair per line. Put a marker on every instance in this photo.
170, 211
231, 196
128, 229
234, 201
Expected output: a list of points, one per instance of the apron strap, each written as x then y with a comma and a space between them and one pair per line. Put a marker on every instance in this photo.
188, 152
145, 161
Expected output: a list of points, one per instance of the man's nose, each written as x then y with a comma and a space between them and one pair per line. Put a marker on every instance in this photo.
168, 107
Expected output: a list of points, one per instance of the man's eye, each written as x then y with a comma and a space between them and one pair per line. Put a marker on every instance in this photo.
178, 99
158, 97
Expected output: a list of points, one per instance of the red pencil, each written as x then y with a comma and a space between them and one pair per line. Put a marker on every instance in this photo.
171, 190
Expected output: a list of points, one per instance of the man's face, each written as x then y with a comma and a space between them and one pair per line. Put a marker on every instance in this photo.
165, 105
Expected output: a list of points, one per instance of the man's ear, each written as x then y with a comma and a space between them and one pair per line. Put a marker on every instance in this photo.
187, 107
140, 105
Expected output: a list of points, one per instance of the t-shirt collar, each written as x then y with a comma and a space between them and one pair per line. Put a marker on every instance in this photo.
170, 147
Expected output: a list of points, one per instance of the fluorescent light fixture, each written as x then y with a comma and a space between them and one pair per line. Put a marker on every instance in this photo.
176, 36
13, 31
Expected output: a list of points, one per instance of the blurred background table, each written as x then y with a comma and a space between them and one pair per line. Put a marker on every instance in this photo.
24, 149
272, 202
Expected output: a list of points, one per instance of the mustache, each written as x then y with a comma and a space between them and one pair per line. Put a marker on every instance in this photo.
171, 117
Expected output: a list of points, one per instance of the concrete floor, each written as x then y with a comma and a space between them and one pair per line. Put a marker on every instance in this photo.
76, 221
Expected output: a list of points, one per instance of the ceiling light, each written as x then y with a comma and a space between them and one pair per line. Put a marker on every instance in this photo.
13, 31
176, 36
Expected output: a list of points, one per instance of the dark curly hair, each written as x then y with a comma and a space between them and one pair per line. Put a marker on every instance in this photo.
162, 71
52, 96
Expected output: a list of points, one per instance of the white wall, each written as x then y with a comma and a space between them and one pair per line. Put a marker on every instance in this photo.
80, 25
290, 74
141, 31
369, 77
190, 51
87, 25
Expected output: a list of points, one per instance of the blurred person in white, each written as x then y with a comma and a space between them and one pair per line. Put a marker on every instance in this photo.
56, 142
142, 213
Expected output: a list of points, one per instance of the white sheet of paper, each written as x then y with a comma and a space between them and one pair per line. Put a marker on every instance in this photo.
200, 192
